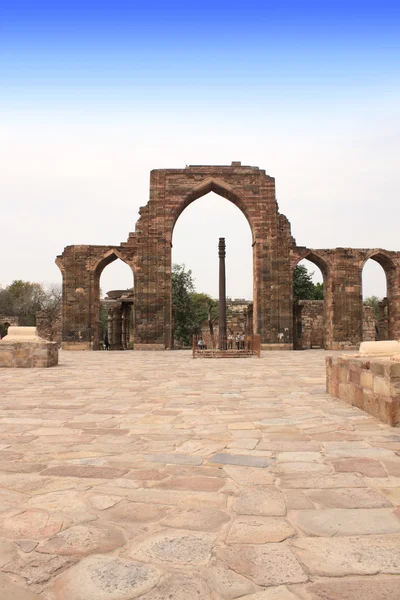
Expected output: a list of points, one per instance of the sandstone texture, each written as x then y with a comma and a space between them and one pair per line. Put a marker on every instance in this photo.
110, 489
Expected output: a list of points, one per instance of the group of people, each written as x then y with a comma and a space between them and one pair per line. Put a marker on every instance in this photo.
239, 339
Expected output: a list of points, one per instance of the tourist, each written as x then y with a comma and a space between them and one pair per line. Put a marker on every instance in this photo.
238, 341
242, 341
230, 341
201, 345
106, 342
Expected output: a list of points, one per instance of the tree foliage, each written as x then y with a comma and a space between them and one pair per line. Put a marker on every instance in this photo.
190, 309
24, 299
373, 301
303, 286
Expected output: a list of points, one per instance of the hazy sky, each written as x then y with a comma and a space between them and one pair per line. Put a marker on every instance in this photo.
96, 94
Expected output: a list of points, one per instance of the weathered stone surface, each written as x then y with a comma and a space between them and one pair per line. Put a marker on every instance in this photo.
135, 512
289, 446
84, 471
197, 519
177, 548
8, 552
177, 459
300, 469
259, 530
31, 523
268, 501
10, 591
127, 391
339, 521
299, 457
82, 540
201, 484
242, 460
228, 584
249, 475
297, 500
102, 502
178, 586
367, 588
105, 578
63, 501
178, 498
348, 498
37, 568
365, 466
392, 467
338, 557
273, 593
339, 480
27, 545
268, 564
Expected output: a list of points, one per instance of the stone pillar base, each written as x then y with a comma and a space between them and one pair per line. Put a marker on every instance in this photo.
76, 346
22, 348
372, 383
149, 347
276, 346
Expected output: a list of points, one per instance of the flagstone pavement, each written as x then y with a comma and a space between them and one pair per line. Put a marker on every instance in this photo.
155, 476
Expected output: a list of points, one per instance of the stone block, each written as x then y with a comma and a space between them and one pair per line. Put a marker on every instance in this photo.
22, 348
381, 386
378, 391
381, 348
366, 379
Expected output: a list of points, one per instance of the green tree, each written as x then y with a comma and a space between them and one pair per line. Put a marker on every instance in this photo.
23, 299
190, 309
205, 309
182, 305
303, 286
373, 301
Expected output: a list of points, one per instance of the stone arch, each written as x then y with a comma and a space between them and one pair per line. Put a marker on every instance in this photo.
171, 191
392, 301
219, 187
324, 266
97, 265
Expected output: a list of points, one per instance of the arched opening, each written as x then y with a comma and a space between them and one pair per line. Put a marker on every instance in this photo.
310, 296
114, 321
197, 229
376, 276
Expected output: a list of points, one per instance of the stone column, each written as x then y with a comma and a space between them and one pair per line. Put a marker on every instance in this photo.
347, 308
222, 294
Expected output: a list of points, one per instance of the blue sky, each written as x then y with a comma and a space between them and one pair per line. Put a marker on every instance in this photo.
95, 95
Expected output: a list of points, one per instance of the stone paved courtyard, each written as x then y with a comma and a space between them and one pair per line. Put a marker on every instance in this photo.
155, 476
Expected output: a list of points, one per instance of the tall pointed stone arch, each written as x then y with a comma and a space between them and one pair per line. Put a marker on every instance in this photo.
275, 254
171, 191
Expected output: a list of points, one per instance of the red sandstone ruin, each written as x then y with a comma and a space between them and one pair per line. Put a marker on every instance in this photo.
275, 254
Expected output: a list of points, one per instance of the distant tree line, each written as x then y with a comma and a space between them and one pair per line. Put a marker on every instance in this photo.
24, 299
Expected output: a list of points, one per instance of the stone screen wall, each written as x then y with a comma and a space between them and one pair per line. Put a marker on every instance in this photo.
275, 254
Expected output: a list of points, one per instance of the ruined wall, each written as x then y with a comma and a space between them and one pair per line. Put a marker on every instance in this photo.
275, 254
49, 326
312, 324
369, 324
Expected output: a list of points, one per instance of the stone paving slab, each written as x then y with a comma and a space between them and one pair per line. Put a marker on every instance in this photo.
130, 475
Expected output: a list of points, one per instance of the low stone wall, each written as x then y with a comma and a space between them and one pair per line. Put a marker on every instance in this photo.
215, 353
371, 383
22, 348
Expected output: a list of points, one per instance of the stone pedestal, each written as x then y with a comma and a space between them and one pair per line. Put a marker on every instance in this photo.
369, 381
23, 348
